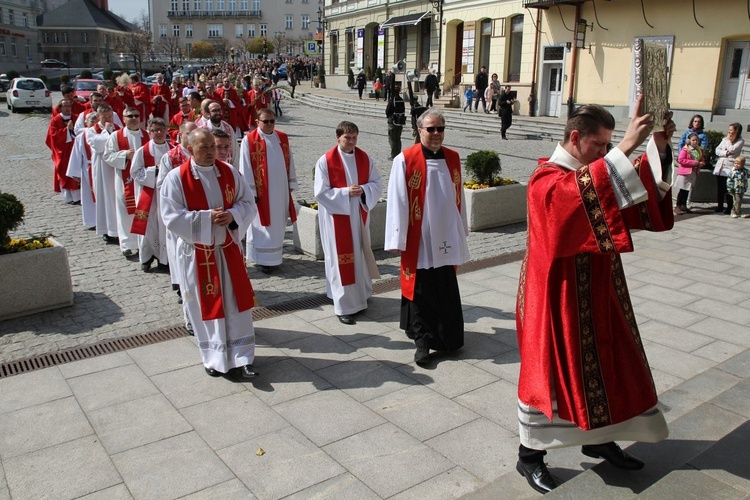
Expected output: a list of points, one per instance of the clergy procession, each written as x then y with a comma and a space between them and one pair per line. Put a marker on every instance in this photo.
187, 184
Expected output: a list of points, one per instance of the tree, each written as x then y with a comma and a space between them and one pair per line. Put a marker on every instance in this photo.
255, 46
169, 46
221, 48
137, 43
202, 50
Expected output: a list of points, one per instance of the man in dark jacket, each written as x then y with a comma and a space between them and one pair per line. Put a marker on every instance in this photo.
430, 86
481, 81
395, 111
361, 83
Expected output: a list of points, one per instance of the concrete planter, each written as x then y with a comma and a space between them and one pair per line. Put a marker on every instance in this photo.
495, 206
306, 231
35, 281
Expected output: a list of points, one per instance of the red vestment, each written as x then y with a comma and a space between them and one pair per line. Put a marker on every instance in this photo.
60, 140
577, 333
160, 107
116, 102
141, 93
176, 121
233, 115
256, 100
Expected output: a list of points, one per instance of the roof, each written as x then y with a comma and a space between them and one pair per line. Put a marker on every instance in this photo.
83, 14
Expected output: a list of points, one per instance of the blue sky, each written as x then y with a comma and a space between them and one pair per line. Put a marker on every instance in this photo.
128, 9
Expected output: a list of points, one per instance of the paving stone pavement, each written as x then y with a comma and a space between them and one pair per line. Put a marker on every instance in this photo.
113, 298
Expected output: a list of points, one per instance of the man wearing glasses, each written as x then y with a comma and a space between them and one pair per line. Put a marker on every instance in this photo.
118, 154
585, 380
152, 235
426, 224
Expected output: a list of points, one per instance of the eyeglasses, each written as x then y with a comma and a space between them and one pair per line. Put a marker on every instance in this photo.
132, 116
267, 121
432, 130
157, 130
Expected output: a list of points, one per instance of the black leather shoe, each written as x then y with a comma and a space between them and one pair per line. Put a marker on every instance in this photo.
347, 320
127, 253
422, 355
538, 476
146, 266
612, 454
213, 373
247, 372
266, 269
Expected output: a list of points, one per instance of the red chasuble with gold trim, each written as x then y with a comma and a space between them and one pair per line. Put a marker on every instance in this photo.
416, 183
124, 145
342, 223
576, 328
259, 162
209, 278
140, 219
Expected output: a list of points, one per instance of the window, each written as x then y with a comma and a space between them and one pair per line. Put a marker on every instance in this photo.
176, 30
188, 48
305, 22
334, 53
84, 37
289, 21
251, 31
13, 48
239, 30
174, 5
232, 5
243, 4
305, 1
424, 53
46, 39
197, 5
401, 38
1, 15
215, 30
188, 31
11, 20
25, 20
209, 5
350, 52
219, 4
288, 1
28, 49
516, 42
162, 30
54, 37
2, 46
256, 5
485, 40
65, 37
263, 29
185, 4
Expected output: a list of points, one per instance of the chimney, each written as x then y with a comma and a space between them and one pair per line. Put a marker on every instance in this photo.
101, 4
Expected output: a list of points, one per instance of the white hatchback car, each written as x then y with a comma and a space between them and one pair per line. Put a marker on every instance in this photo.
28, 93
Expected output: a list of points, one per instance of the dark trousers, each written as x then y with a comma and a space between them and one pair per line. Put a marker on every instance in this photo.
360, 90
430, 93
480, 97
721, 195
682, 197
506, 119
530, 455
394, 138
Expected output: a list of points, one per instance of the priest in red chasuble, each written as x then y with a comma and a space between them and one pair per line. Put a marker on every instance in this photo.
347, 187
426, 223
585, 379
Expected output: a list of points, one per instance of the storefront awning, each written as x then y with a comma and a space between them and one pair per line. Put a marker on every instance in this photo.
546, 4
409, 20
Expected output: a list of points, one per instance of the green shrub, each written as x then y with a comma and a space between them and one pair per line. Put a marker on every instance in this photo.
11, 216
108, 74
44, 78
714, 138
483, 166
86, 74
12, 74
65, 79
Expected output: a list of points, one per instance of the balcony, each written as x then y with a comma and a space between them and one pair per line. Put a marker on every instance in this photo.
215, 14
546, 4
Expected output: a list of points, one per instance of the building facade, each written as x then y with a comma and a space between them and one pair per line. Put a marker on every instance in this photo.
83, 33
19, 43
288, 23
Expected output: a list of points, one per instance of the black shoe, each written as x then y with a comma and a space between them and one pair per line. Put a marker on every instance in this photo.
266, 269
718, 209
76, 202
538, 476
347, 320
247, 372
213, 373
612, 454
146, 266
127, 253
422, 355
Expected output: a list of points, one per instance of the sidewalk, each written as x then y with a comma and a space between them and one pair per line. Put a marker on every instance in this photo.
343, 412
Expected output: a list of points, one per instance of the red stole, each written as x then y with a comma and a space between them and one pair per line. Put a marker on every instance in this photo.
416, 175
259, 163
124, 145
140, 220
342, 223
209, 281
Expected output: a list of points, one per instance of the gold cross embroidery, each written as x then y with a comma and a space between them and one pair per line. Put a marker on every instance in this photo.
585, 179
141, 214
407, 273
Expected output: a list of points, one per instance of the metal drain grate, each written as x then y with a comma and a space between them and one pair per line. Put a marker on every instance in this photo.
120, 344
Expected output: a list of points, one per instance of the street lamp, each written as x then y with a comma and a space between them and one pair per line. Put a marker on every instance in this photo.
322, 24
438, 4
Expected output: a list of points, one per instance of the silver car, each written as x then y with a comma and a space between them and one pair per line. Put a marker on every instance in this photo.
28, 93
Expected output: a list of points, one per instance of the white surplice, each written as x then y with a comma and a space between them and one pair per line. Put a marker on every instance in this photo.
104, 184
265, 243
443, 240
78, 167
154, 242
117, 160
80, 124
228, 342
352, 298
166, 165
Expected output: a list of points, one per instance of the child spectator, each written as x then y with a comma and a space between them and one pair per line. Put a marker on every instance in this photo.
690, 160
737, 185
470, 95
377, 87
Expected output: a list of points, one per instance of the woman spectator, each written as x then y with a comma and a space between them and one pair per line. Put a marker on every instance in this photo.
695, 127
495, 89
729, 149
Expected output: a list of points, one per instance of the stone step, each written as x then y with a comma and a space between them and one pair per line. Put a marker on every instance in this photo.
707, 416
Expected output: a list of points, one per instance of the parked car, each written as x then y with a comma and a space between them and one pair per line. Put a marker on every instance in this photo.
3, 89
54, 63
28, 93
283, 71
85, 86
